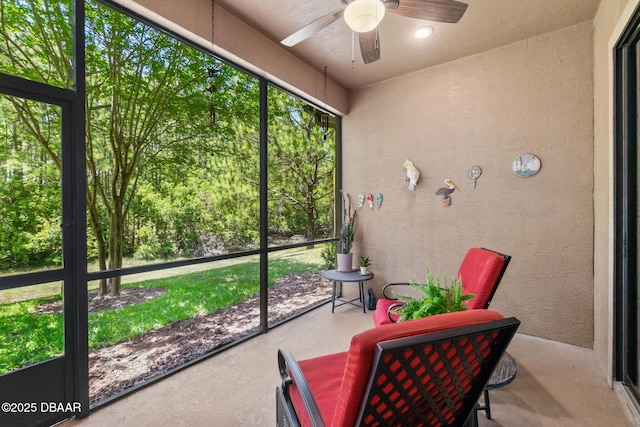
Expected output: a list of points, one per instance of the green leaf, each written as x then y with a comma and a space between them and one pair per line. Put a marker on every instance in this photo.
438, 296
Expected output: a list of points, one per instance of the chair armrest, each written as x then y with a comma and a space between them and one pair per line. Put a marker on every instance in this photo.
390, 285
393, 317
290, 373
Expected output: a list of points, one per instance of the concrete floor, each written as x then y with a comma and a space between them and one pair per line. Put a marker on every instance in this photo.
556, 384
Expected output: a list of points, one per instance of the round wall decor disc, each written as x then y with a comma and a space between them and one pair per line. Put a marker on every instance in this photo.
526, 165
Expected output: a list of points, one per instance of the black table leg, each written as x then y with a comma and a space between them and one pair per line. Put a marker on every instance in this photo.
487, 404
333, 297
339, 277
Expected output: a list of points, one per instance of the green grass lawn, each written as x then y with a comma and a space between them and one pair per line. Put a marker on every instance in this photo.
27, 337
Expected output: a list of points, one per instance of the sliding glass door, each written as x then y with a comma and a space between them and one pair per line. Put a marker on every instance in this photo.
627, 220
36, 334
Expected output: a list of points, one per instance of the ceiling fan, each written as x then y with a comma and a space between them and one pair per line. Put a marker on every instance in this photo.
363, 17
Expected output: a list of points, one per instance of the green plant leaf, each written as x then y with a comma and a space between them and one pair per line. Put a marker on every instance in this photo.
437, 296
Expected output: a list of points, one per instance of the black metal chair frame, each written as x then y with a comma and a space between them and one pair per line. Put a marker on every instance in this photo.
419, 408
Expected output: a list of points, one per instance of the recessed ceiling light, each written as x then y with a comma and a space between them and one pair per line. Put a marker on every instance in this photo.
422, 32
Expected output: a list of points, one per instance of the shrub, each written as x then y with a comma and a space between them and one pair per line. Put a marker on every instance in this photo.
328, 254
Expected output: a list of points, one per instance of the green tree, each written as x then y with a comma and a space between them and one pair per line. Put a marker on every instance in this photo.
301, 165
172, 138
36, 41
30, 189
212, 206
141, 97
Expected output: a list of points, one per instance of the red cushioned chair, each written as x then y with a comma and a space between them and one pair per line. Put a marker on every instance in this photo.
480, 272
426, 372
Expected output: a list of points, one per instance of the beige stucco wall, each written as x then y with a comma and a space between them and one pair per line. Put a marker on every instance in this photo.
534, 96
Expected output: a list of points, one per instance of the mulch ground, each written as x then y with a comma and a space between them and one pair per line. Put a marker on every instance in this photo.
115, 368
128, 296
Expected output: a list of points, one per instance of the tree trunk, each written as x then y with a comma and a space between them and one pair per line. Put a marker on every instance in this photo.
311, 226
102, 258
97, 230
115, 247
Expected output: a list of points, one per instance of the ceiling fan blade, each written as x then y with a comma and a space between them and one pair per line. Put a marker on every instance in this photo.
369, 46
449, 11
312, 28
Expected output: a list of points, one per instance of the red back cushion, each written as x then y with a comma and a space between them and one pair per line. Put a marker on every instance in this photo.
479, 272
363, 347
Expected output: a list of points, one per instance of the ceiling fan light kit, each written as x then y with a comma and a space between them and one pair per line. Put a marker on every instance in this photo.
364, 15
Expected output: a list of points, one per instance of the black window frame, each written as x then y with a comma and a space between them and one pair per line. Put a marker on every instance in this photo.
625, 193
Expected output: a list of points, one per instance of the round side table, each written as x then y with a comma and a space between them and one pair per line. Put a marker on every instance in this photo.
348, 277
504, 374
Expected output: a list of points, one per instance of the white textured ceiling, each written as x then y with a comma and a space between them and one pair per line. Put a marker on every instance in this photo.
486, 25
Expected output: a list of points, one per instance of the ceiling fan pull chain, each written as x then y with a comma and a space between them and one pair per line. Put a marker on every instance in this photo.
325, 87
213, 20
353, 50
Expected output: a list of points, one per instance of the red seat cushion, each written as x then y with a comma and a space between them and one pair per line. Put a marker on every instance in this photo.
324, 377
339, 380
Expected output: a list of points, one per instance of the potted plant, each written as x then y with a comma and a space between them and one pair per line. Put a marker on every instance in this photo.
434, 298
346, 236
365, 262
